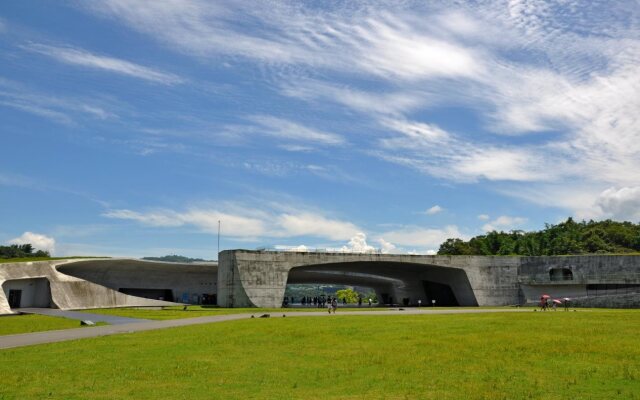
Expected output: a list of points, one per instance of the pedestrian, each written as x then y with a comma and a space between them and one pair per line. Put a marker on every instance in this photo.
329, 305
543, 304
334, 305
369, 301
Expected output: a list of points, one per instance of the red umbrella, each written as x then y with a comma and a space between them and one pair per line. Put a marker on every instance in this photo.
557, 301
546, 296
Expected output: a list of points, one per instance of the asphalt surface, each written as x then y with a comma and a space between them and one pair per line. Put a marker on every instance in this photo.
28, 339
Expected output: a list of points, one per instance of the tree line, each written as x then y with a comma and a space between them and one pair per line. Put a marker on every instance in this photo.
21, 251
566, 238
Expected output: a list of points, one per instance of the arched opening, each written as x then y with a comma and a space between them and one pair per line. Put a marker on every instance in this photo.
560, 274
26, 293
395, 283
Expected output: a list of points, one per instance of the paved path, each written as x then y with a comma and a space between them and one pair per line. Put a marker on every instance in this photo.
27, 339
81, 316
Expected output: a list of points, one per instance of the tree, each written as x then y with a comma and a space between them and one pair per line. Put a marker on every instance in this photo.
349, 294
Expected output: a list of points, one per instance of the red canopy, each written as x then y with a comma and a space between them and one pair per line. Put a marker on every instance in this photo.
557, 301
546, 296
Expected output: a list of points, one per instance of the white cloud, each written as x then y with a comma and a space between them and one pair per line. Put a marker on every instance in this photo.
358, 244
56, 108
285, 129
483, 217
504, 223
37, 240
244, 223
387, 247
381, 43
301, 224
434, 210
564, 78
621, 204
83, 58
425, 238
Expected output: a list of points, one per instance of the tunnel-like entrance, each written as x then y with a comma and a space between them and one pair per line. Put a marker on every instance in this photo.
25, 293
395, 283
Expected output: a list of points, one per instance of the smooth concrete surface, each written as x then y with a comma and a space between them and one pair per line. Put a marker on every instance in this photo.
67, 292
258, 278
81, 316
179, 279
28, 339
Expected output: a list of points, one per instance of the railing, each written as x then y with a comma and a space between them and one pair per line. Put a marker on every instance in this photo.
305, 249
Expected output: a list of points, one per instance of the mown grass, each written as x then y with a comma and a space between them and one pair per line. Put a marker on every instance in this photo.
26, 259
199, 311
562, 355
14, 324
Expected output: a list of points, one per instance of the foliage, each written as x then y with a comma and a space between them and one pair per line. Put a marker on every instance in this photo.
21, 251
175, 258
527, 355
566, 238
350, 295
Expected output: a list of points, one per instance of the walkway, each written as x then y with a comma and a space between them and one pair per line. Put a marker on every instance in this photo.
81, 316
28, 339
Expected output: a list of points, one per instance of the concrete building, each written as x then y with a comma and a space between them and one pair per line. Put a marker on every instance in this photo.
246, 278
102, 283
259, 278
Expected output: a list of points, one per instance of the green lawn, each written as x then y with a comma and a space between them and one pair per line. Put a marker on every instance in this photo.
561, 355
13, 324
25, 259
199, 311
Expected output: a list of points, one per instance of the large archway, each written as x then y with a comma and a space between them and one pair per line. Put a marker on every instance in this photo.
394, 282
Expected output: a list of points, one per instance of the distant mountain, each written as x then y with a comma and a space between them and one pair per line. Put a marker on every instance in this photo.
176, 258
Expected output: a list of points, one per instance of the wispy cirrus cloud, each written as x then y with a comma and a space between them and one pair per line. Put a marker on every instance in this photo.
83, 58
563, 79
288, 130
55, 108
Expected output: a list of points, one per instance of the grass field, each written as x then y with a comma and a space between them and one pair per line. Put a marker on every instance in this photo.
574, 355
26, 259
199, 311
14, 324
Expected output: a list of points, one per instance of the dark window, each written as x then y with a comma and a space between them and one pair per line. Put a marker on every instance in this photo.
560, 274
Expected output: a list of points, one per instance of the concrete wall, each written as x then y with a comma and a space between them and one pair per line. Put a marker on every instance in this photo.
257, 278
193, 279
67, 292
35, 291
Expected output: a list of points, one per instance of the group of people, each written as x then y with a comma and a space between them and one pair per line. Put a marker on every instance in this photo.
547, 303
319, 301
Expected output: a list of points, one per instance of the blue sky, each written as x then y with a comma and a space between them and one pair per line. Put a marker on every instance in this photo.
131, 128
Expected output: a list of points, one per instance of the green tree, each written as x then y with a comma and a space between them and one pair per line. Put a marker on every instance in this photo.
349, 294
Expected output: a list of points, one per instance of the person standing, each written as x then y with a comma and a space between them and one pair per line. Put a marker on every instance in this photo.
334, 305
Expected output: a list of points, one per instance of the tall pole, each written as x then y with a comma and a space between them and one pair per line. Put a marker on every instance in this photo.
218, 256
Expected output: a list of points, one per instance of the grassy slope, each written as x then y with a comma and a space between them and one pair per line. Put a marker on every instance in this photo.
25, 259
13, 324
198, 311
574, 355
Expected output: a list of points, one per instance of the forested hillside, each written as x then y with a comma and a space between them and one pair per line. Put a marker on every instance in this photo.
565, 238
21, 251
